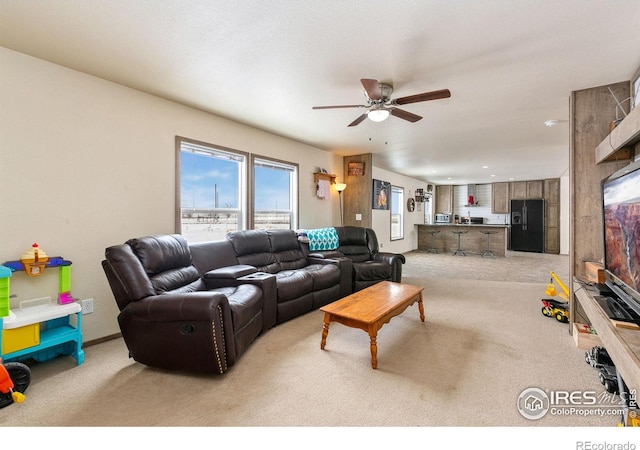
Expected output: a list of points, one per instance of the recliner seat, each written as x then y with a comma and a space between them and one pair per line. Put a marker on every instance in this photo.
168, 317
302, 284
370, 265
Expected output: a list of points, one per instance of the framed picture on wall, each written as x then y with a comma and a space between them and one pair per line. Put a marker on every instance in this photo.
355, 168
381, 193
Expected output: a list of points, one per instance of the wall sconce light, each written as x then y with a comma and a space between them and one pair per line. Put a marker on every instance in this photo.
340, 187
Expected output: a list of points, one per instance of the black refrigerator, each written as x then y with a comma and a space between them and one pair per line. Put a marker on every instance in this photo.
527, 225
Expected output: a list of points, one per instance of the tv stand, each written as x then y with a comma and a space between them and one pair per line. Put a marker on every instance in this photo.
622, 344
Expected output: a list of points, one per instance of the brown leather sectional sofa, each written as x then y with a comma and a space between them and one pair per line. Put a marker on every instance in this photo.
198, 307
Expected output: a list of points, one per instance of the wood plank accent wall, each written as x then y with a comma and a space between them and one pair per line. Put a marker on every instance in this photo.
357, 195
552, 215
592, 111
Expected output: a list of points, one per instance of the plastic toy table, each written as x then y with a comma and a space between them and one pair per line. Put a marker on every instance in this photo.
43, 333
40, 329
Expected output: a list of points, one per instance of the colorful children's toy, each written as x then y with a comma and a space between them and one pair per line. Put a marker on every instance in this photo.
14, 380
556, 308
34, 260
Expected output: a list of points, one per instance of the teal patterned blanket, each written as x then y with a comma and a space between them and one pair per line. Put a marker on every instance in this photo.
322, 239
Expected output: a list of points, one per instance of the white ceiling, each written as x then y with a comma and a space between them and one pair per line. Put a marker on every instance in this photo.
510, 66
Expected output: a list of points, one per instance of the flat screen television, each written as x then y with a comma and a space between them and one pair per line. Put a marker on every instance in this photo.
621, 208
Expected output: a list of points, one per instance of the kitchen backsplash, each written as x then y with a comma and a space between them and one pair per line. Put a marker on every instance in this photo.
483, 208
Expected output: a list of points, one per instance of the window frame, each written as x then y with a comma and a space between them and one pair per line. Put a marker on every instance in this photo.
394, 193
293, 193
242, 181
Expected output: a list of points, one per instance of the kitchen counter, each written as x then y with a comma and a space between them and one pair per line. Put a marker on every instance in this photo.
499, 225
474, 242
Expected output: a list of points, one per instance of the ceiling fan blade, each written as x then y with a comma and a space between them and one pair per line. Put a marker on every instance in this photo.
358, 120
338, 106
406, 115
433, 95
372, 87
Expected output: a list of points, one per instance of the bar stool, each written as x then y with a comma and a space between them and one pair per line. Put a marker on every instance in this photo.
488, 251
433, 248
459, 251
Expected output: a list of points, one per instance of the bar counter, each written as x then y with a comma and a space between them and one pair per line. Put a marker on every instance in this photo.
474, 242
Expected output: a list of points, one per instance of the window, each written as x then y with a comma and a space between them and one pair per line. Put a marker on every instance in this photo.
214, 196
397, 208
274, 194
211, 190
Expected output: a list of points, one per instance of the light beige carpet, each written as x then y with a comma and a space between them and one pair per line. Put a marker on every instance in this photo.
482, 344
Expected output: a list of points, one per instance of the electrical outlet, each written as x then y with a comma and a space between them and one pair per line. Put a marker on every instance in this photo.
87, 306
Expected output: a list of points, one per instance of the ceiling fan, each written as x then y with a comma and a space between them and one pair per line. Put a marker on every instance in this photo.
380, 104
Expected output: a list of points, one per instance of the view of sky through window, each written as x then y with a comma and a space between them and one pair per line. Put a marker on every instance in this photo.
203, 175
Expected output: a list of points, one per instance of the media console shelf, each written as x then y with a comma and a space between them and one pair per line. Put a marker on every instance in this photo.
622, 344
616, 144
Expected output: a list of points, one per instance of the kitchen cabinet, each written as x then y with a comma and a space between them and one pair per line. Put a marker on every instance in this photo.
444, 199
523, 190
500, 198
535, 189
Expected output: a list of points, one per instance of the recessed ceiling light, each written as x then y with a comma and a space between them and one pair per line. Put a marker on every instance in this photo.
511, 178
552, 122
493, 175
485, 167
448, 178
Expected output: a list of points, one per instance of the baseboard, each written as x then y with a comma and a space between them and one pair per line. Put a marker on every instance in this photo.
101, 340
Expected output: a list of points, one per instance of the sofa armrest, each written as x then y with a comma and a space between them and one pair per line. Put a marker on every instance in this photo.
175, 331
246, 274
389, 258
395, 260
229, 272
227, 276
199, 306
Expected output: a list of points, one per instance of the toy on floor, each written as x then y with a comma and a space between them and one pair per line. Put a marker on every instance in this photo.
14, 380
556, 308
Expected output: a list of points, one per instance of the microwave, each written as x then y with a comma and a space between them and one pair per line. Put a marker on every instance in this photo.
443, 218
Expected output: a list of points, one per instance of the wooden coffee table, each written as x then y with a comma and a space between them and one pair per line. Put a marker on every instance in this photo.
371, 308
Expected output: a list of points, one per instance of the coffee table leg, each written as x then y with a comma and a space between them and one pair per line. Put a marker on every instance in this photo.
374, 348
421, 307
325, 331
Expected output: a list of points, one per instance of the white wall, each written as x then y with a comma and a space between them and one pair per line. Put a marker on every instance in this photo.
86, 163
381, 220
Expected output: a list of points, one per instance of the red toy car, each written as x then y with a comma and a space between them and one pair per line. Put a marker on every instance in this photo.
14, 380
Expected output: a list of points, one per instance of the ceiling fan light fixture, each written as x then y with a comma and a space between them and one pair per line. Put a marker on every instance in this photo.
378, 114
